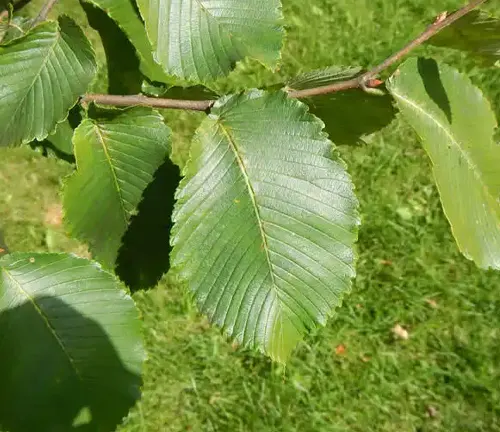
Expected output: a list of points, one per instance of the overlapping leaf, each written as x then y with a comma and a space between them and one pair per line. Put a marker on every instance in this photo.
478, 33
126, 16
353, 115
70, 343
349, 116
41, 77
201, 40
116, 159
62, 138
265, 222
456, 125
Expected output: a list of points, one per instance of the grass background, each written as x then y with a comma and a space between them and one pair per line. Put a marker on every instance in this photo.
353, 375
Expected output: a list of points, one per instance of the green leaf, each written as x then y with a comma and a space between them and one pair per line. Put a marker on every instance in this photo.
62, 138
265, 222
323, 77
41, 77
201, 40
123, 12
456, 125
70, 345
197, 92
116, 159
353, 115
350, 116
60, 143
478, 33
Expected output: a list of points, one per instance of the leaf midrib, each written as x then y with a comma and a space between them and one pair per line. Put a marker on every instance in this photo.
46, 321
253, 198
100, 136
475, 169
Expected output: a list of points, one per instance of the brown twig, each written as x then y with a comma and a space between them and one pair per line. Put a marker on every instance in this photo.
360, 81
366, 80
42, 16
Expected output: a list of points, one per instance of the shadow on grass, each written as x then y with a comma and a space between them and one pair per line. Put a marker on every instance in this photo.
60, 374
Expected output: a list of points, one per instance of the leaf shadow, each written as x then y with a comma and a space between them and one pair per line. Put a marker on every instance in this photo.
429, 71
123, 66
47, 149
60, 143
18, 4
145, 253
42, 389
352, 115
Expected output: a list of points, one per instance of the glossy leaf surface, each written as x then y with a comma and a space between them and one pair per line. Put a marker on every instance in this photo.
265, 222
201, 40
41, 77
71, 345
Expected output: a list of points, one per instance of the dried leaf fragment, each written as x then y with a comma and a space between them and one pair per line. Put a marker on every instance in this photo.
400, 332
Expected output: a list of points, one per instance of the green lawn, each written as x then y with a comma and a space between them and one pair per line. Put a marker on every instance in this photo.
444, 377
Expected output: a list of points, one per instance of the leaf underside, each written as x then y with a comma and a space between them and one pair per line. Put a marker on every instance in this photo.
117, 158
323, 77
201, 40
265, 222
70, 339
456, 125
